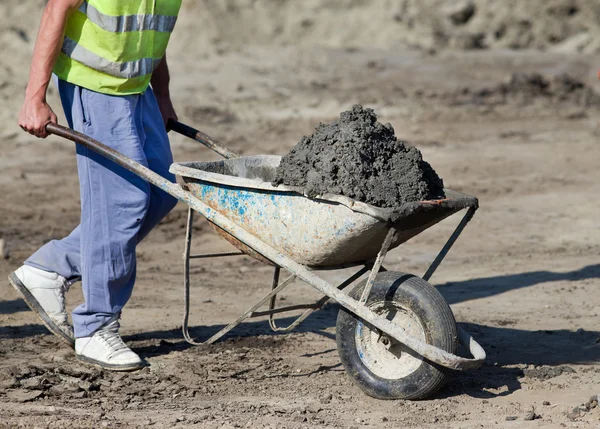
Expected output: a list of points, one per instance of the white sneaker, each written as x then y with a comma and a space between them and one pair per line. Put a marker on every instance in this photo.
107, 350
44, 292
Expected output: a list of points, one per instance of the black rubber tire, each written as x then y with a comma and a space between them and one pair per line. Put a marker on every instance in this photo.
428, 305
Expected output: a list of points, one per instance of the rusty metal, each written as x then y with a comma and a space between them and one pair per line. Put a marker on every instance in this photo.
239, 245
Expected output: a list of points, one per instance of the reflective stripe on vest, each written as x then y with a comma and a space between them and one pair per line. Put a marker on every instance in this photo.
125, 70
121, 24
113, 46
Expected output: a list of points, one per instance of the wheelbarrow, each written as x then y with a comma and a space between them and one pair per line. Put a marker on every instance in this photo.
396, 335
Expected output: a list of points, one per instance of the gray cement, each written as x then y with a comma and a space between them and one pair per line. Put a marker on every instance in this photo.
360, 158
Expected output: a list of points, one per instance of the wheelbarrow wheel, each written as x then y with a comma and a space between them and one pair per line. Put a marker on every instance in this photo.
382, 367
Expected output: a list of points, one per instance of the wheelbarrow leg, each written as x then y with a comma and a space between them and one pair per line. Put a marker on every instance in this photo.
186, 297
377, 265
248, 313
311, 308
440, 257
186, 261
273, 299
186, 275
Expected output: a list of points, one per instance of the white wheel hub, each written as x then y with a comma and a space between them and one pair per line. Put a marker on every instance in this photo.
382, 355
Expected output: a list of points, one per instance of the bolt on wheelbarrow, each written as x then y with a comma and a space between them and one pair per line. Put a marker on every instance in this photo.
396, 335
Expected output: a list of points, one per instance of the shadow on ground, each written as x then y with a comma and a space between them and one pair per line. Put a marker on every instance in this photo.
22, 331
509, 346
13, 306
506, 347
317, 323
466, 290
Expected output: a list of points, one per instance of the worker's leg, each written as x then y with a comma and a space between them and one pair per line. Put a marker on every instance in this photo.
158, 154
114, 203
47, 274
62, 256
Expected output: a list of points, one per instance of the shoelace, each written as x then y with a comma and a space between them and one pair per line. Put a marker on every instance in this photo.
110, 336
66, 285
62, 318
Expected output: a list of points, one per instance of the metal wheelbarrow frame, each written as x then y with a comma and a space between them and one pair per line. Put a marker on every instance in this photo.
249, 241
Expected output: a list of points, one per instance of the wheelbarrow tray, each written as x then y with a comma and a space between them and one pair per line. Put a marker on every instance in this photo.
327, 231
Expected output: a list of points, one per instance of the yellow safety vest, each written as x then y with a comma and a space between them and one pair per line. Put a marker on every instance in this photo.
113, 46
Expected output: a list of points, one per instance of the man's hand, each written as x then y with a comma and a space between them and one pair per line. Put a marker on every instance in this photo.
166, 108
35, 115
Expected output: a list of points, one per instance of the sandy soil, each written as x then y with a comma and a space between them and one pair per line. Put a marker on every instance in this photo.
521, 279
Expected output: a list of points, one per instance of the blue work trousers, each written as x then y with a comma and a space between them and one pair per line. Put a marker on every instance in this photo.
118, 208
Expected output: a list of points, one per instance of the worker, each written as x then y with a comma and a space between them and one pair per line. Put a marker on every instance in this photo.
108, 57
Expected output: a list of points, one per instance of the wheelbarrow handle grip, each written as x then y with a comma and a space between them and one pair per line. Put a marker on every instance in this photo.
200, 137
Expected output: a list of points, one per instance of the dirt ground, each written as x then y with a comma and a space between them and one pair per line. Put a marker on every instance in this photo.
517, 128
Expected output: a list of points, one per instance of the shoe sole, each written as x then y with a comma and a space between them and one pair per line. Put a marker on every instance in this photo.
111, 367
39, 311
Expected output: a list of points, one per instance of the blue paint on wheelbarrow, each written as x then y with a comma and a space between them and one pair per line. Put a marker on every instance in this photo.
315, 232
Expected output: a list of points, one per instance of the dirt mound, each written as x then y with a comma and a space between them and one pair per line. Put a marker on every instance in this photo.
437, 25
434, 25
523, 89
360, 158
561, 25
430, 25
561, 88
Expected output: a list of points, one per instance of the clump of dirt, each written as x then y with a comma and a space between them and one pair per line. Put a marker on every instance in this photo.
360, 158
561, 88
25, 383
548, 372
526, 88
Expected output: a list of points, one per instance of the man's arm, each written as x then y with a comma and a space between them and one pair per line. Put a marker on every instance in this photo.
36, 113
160, 86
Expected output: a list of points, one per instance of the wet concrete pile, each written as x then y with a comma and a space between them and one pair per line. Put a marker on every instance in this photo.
362, 159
